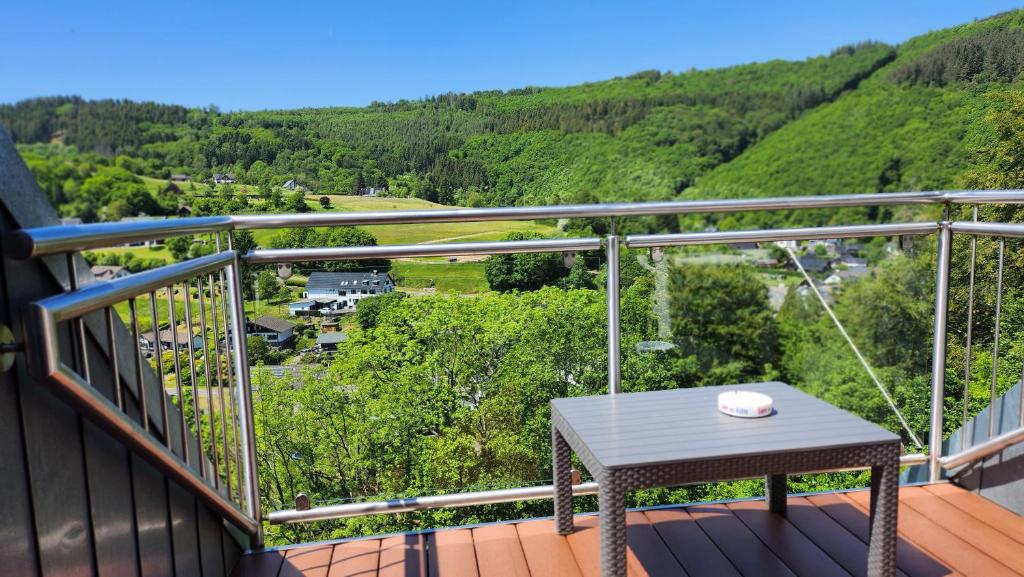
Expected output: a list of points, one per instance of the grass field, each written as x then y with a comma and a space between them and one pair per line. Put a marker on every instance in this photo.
461, 277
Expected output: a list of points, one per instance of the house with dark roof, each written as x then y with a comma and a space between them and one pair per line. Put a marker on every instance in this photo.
347, 288
109, 272
147, 341
811, 263
180, 178
223, 178
276, 331
328, 342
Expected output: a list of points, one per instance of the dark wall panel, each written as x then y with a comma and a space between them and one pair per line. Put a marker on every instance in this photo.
211, 549
185, 536
152, 519
74, 501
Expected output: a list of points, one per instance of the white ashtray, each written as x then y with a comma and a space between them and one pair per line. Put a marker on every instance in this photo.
745, 404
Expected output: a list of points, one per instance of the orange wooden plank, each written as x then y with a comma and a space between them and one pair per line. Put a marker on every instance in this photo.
967, 527
1005, 521
743, 548
307, 561
910, 558
586, 545
402, 556
355, 559
498, 552
264, 564
828, 535
646, 554
691, 547
947, 546
798, 552
451, 553
547, 553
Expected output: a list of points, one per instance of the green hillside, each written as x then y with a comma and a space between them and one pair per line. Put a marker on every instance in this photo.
865, 118
917, 123
645, 136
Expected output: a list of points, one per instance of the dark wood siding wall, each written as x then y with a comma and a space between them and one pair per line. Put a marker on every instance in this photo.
74, 501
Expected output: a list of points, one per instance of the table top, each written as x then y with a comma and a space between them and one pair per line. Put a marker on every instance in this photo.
660, 427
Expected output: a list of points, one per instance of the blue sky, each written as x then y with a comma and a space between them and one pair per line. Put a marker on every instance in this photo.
259, 54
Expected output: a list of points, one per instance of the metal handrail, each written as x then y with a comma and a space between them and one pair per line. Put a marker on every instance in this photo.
272, 256
41, 241
44, 356
65, 239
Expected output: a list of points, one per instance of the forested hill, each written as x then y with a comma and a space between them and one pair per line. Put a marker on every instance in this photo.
947, 112
649, 135
923, 115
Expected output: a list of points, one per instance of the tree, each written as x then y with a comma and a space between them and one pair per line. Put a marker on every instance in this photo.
267, 286
325, 202
579, 277
721, 316
179, 247
296, 202
243, 242
523, 271
335, 236
368, 310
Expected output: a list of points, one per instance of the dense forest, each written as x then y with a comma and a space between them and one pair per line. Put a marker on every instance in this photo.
443, 393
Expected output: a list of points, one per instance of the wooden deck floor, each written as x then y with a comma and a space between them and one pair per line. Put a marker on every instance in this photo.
944, 530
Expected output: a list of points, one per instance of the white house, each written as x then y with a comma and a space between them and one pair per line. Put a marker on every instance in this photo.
346, 288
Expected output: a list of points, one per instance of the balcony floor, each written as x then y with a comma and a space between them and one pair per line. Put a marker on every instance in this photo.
944, 530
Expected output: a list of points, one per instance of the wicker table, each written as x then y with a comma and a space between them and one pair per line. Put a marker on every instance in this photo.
665, 438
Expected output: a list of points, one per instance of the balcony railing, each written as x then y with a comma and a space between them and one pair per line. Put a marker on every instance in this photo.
216, 459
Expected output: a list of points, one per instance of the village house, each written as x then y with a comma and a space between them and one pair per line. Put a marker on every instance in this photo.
346, 288
328, 342
147, 342
276, 331
180, 178
109, 272
223, 178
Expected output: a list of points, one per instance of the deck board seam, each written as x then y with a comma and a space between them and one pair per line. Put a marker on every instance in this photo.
938, 528
760, 540
945, 498
714, 543
519, 541
958, 537
810, 540
661, 538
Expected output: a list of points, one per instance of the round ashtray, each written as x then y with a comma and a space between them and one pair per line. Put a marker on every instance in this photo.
745, 404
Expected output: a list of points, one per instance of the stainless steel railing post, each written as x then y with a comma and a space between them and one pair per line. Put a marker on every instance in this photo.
614, 334
939, 351
250, 484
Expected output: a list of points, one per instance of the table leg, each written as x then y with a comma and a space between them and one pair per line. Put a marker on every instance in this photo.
612, 502
882, 524
562, 472
775, 493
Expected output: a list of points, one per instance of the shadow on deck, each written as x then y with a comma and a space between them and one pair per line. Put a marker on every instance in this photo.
944, 530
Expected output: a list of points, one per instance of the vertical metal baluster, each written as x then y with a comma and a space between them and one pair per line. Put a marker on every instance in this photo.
197, 416
209, 383
155, 321
173, 314
220, 384
970, 333
114, 369
938, 380
612, 294
138, 363
251, 486
78, 324
231, 381
995, 340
